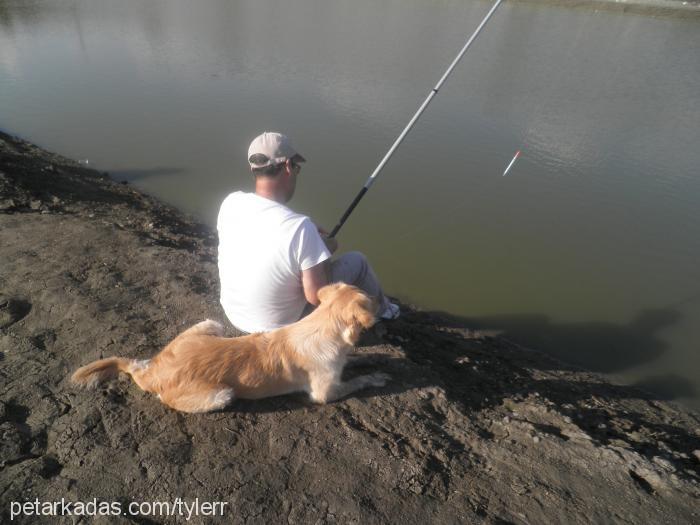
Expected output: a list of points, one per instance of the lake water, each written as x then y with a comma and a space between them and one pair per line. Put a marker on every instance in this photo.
588, 249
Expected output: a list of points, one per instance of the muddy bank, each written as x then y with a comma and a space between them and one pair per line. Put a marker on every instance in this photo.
663, 8
471, 428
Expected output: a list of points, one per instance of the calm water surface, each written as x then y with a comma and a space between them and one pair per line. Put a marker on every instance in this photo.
588, 249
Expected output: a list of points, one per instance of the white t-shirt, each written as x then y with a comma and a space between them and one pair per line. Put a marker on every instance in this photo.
263, 248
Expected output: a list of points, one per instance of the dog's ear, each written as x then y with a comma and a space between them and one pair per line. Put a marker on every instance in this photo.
326, 293
366, 310
351, 334
359, 314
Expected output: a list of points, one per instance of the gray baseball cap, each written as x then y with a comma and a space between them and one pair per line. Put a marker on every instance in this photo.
275, 148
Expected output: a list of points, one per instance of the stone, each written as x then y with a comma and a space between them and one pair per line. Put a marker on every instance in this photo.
7, 204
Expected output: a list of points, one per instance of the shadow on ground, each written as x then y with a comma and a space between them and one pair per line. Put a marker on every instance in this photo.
480, 372
598, 346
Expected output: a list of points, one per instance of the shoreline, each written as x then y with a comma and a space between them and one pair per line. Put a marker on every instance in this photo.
665, 8
471, 427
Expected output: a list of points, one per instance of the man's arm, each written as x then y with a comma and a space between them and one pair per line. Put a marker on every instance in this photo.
313, 280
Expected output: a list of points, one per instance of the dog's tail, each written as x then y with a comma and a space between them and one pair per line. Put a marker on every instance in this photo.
99, 371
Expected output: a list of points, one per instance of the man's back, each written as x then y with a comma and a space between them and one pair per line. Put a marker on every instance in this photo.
263, 248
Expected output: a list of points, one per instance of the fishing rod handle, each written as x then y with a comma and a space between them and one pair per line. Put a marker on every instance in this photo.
347, 213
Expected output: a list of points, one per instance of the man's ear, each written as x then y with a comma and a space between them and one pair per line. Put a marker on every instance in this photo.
289, 166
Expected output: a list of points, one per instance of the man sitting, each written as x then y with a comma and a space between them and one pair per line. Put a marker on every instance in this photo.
272, 260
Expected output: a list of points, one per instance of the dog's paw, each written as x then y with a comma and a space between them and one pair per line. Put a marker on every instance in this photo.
378, 379
221, 398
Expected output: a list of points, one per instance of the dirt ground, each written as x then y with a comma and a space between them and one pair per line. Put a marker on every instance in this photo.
688, 9
470, 429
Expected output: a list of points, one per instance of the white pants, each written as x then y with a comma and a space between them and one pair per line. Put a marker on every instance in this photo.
353, 268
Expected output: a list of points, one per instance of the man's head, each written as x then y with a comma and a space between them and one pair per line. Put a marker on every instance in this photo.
275, 165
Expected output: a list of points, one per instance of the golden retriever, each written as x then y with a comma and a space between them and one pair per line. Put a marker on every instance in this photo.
200, 370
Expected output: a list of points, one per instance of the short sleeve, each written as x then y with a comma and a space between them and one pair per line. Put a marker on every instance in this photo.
308, 247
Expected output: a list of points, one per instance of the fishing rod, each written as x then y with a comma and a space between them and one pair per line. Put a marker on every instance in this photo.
403, 134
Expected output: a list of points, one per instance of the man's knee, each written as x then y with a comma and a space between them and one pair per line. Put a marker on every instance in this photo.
356, 259
349, 268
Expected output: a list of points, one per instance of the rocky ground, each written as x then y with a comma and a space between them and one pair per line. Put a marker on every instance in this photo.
471, 428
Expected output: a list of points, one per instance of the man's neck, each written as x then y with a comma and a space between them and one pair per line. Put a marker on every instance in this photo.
270, 191
270, 196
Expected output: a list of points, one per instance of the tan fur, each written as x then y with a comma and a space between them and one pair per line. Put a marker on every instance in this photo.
201, 371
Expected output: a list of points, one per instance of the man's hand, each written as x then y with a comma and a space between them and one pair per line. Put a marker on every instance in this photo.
331, 243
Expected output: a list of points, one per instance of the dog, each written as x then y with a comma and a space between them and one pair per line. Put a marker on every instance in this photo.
201, 371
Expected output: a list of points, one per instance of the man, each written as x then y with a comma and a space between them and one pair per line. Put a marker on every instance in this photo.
273, 261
